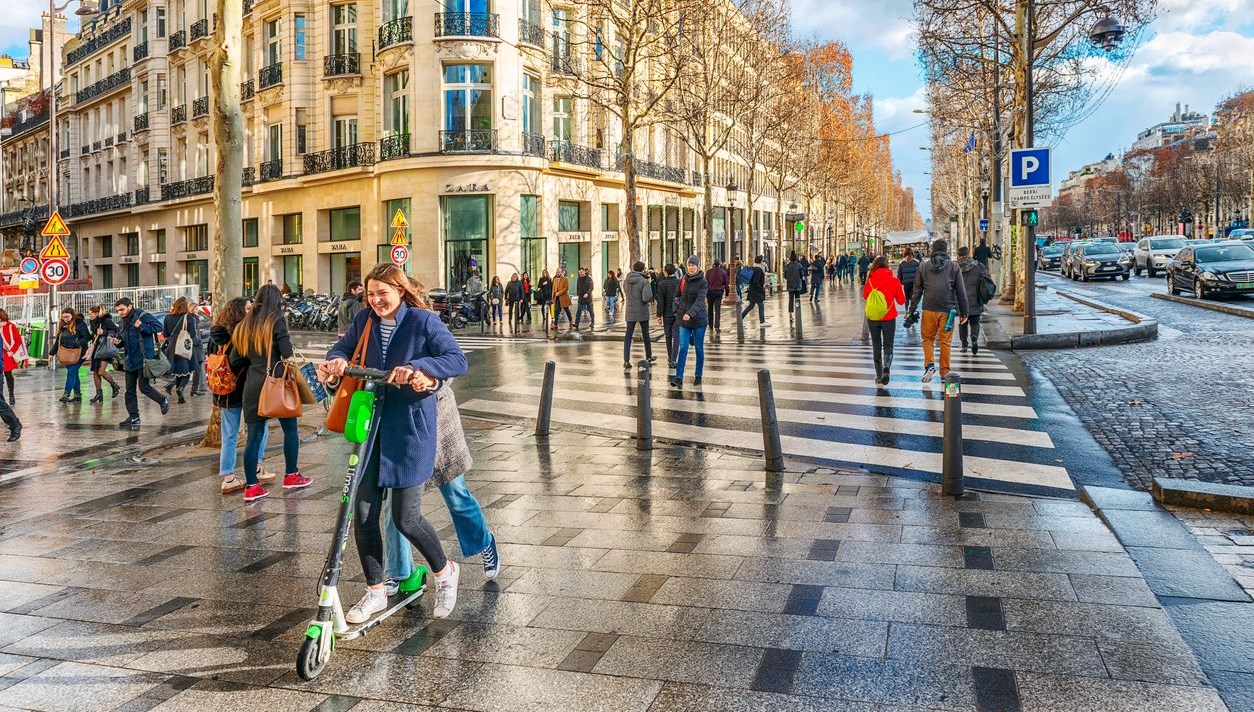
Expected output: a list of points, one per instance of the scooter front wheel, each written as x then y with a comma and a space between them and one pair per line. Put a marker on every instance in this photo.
308, 664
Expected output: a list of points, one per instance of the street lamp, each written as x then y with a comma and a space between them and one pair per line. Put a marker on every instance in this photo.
1107, 33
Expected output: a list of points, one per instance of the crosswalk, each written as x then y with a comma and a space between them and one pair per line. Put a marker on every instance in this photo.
827, 404
467, 342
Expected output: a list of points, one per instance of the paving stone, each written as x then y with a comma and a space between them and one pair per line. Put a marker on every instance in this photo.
232, 659
399, 678
809, 633
1152, 662
930, 684
503, 688
1186, 574
893, 606
215, 694
967, 582
996, 649
72, 686
1114, 590
735, 595
99, 643
680, 697
1220, 633
14, 627
1114, 622
15, 594
506, 645
647, 562
1157, 529
823, 573
676, 661
624, 618
585, 584
1066, 562
1041, 693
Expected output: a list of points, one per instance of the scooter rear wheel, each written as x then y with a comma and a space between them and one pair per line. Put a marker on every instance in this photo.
308, 666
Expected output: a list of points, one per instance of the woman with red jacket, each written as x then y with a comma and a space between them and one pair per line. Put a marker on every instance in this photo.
883, 331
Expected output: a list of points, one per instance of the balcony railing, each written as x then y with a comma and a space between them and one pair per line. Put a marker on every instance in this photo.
566, 65
65, 153
141, 196
248, 6
533, 144
187, 188
200, 107
99, 205
200, 29
99, 42
84, 150
108, 142
96, 146
394, 146
396, 32
272, 170
358, 154
178, 114
531, 33
269, 76
141, 122
247, 89
109, 83
22, 127
140, 51
122, 137
26, 216
178, 41
476, 141
657, 171
249, 177
467, 24
567, 152
696, 178
338, 65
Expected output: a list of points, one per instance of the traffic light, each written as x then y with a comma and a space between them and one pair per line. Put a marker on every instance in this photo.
1030, 218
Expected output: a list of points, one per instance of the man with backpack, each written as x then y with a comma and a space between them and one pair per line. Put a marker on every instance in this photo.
938, 285
882, 292
980, 289
755, 291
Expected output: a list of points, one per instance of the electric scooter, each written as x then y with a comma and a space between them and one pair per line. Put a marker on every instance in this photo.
361, 427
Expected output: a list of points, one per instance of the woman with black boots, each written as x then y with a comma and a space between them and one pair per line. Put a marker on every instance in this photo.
103, 330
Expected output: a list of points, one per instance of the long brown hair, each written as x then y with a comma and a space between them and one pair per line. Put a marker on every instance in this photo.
412, 291
179, 307
229, 316
879, 262
252, 336
74, 317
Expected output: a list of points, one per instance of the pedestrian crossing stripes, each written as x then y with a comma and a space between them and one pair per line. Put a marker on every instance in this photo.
827, 404
468, 344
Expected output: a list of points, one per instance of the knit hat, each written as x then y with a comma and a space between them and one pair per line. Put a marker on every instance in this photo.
694, 261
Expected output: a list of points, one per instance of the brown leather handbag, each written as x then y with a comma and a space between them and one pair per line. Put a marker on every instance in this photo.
338, 414
280, 396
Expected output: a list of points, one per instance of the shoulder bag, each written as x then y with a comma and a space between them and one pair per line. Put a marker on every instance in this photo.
156, 367
67, 356
105, 349
280, 396
183, 346
338, 415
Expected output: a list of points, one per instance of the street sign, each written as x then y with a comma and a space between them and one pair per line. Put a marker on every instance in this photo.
30, 265
983, 226
55, 226
55, 272
54, 250
800, 227
400, 254
398, 220
1029, 178
28, 281
398, 237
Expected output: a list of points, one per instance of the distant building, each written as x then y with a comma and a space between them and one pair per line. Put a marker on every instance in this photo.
1183, 123
1075, 181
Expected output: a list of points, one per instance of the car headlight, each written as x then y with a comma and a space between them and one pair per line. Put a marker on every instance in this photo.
1209, 276
1090, 264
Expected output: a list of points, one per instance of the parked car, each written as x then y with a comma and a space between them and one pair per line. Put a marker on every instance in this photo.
1205, 270
1050, 257
1243, 233
1097, 260
1153, 253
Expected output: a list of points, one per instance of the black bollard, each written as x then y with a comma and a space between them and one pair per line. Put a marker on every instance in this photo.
740, 322
798, 320
951, 463
770, 424
546, 400
644, 410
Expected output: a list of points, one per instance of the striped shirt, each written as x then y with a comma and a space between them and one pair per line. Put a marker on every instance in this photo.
386, 328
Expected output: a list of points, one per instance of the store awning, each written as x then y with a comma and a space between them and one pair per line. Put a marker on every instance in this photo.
907, 237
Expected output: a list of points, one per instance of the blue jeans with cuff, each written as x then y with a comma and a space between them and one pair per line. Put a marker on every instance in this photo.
230, 439
472, 529
686, 335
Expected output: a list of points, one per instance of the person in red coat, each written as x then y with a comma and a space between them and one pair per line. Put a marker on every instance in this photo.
883, 331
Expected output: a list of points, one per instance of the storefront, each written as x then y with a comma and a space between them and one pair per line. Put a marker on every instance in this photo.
467, 224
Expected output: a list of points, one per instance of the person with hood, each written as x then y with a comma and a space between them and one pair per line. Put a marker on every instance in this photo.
744, 273
716, 288
692, 320
938, 285
817, 267
973, 270
795, 281
864, 266
636, 297
513, 297
905, 272
851, 265
983, 253
755, 292
474, 285
883, 330
350, 304
667, 291
561, 298
583, 287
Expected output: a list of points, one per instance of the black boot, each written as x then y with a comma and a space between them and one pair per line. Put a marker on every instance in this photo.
98, 398
15, 432
65, 398
114, 386
76, 398
182, 400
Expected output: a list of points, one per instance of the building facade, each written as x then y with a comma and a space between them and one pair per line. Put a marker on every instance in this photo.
1183, 123
464, 118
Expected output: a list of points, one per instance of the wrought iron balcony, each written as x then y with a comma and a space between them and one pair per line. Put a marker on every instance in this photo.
200, 29
396, 32
566, 65
657, 171
22, 127
531, 33
178, 41
467, 24
122, 137
338, 65
109, 83
247, 89
249, 177
84, 150
141, 122
140, 51
99, 42
26, 216
269, 76
95, 146
567, 152
533, 144
248, 6
178, 114
358, 154
65, 153
394, 146
272, 170
108, 142
187, 188
99, 205
141, 196
476, 141
200, 107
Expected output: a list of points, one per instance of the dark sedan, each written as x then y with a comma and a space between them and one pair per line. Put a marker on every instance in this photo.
1205, 270
1050, 257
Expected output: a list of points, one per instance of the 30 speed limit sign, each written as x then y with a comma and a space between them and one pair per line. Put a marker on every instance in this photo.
400, 254
55, 271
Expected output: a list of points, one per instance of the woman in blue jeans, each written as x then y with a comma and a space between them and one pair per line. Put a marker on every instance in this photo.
231, 406
452, 459
72, 333
691, 320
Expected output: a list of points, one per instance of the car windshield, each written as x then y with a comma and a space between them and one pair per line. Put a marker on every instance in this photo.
1101, 248
1225, 253
1054, 251
1168, 243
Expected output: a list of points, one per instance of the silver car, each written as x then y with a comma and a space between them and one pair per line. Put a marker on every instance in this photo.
1153, 253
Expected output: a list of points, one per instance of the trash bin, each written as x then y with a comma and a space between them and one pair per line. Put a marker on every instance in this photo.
36, 340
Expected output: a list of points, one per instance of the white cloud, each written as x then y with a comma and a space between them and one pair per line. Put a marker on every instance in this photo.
19, 18
887, 25
1199, 16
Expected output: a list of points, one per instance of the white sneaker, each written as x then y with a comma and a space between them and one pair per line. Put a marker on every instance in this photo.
764, 324
929, 372
446, 592
373, 602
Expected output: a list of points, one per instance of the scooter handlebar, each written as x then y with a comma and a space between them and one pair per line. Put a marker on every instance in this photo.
369, 374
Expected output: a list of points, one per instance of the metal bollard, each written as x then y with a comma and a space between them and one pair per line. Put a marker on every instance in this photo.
546, 400
798, 320
951, 462
740, 322
770, 424
644, 410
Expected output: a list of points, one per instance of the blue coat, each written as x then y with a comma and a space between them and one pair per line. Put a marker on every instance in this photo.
424, 343
139, 343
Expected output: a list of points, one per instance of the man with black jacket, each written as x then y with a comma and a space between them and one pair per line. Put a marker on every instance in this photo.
514, 297
137, 336
983, 253
906, 271
716, 280
755, 292
939, 286
667, 290
584, 286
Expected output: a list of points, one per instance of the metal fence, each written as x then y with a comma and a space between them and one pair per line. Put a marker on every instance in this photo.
23, 308
151, 299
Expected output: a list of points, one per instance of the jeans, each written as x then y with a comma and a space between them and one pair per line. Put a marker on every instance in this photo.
406, 513
932, 327
558, 309
230, 439
816, 288
136, 379
252, 448
72, 384
668, 331
686, 335
496, 312
973, 328
584, 308
611, 305
883, 334
749, 308
472, 529
631, 330
714, 306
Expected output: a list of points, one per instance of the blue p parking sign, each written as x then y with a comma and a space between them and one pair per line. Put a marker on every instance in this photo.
1029, 178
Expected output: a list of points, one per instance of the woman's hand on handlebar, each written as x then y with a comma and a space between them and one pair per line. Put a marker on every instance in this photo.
401, 375
422, 383
334, 368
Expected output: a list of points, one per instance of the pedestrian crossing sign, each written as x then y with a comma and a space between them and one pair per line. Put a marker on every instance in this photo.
55, 249
398, 220
55, 226
398, 237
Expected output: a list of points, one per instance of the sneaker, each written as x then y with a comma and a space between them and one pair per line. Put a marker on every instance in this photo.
129, 422
296, 481
627, 366
264, 475
764, 324
964, 348
253, 493
975, 349
391, 587
652, 359
232, 484
165, 406
446, 592
491, 561
373, 602
696, 381
676, 383
929, 372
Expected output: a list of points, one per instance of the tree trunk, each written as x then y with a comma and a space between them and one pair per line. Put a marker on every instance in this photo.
226, 281
706, 247
634, 248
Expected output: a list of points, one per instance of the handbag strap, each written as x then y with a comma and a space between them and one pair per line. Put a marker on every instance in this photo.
363, 344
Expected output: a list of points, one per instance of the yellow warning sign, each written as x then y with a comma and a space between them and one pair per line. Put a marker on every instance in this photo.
398, 220
55, 226
54, 250
398, 238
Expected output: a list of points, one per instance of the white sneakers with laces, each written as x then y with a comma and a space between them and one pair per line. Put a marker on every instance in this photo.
373, 602
446, 591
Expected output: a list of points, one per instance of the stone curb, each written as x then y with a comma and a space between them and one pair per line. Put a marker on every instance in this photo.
1143, 328
1204, 495
1203, 304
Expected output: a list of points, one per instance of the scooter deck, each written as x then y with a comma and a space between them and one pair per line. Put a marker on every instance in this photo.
395, 604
